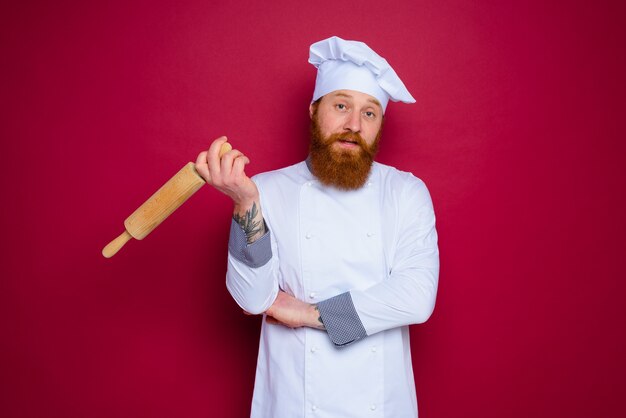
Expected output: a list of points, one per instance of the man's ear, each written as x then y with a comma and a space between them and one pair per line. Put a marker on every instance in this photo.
311, 110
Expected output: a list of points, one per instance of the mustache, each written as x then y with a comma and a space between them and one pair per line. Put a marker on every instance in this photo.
348, 136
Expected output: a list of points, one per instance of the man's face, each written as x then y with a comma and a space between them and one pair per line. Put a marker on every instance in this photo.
346, 111
345, 131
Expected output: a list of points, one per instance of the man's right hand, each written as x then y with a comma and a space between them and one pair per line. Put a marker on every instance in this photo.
227, 174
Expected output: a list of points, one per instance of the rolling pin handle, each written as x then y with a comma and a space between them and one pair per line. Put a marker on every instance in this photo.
226, 147
114, 246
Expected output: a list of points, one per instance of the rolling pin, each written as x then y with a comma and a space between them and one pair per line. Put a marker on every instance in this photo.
160, 205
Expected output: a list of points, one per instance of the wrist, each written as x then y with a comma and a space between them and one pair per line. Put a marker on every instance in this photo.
313, 317
246, 196
243, 205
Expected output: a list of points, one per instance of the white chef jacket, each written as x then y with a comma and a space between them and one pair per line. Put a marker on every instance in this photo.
378, 243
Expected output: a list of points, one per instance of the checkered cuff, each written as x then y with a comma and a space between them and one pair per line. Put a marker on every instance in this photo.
253, 255
341, 320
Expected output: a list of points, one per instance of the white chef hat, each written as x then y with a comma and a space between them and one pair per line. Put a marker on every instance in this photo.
352, 65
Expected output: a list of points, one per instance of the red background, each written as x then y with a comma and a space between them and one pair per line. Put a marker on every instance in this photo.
518, 131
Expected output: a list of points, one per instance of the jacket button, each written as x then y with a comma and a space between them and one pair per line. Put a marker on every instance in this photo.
373, 407
373, 349
313, 349
314, 408
370, 234
312, 295
308, 236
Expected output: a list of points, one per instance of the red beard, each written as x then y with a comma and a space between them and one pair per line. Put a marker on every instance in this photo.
346, 169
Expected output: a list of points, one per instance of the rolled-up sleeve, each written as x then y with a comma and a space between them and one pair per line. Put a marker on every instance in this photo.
341, 320
255, 254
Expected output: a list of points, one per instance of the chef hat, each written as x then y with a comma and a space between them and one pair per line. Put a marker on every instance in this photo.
352, 65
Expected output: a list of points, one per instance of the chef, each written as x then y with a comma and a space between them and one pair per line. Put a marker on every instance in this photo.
338, 252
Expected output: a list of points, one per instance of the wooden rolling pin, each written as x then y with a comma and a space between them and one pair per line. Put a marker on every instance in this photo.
160, 205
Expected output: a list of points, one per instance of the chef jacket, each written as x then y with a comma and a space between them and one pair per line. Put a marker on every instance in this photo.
369, 259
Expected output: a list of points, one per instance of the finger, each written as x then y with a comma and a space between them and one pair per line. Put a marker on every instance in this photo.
202, 166
213, 158
243, 160
201, 160
226, 163
239, 167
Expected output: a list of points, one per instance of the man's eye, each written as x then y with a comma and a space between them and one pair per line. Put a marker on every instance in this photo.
341, 106
370, 115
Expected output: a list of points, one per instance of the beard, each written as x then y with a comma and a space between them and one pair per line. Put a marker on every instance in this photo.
345, 169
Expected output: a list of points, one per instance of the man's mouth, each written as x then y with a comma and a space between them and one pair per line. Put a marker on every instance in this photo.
347, 143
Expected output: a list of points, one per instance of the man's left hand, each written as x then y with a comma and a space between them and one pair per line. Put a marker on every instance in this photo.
293, 313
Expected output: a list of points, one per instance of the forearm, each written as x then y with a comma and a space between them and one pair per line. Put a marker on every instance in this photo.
291, 312
403, 299
252, 262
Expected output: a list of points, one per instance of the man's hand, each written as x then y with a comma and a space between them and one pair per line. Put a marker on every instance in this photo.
227, 174
293, 313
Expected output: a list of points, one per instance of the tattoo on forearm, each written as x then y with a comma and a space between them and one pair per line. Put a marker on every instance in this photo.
250, 226
319, 318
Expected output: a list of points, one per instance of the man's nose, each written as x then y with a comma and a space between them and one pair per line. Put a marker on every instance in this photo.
353, 122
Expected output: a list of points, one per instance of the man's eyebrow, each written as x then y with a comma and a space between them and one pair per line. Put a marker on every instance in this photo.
376, 102
372, 100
